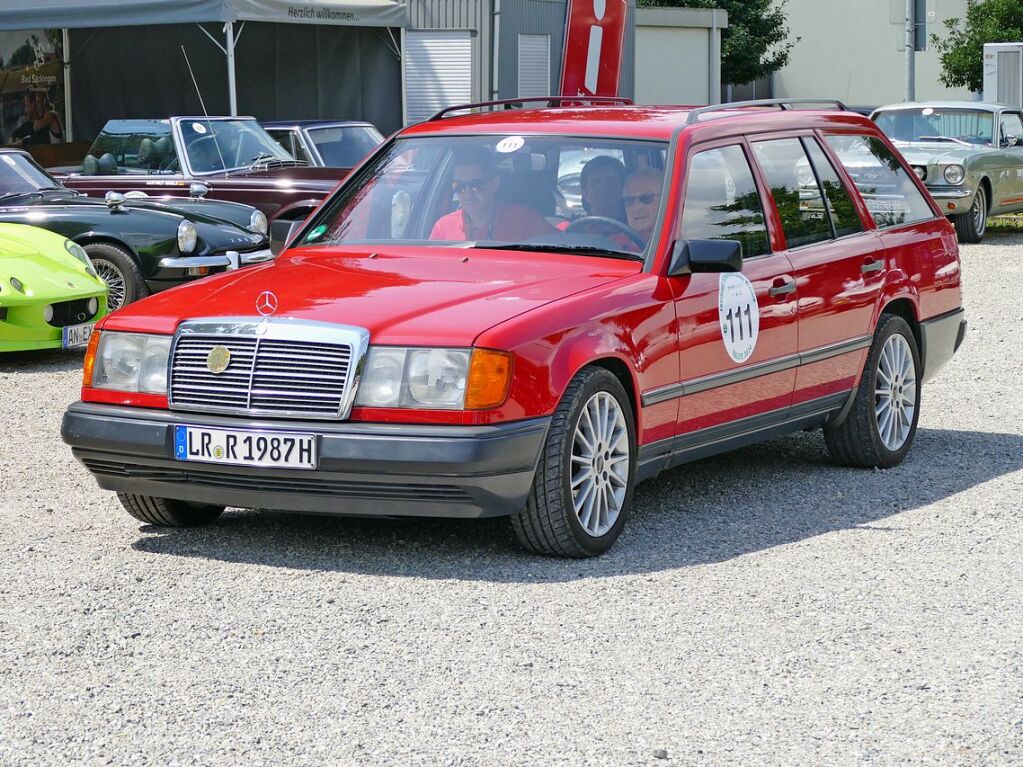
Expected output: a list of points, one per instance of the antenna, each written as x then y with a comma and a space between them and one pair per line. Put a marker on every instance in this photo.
206, 114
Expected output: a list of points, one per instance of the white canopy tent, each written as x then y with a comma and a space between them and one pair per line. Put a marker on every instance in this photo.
72, 14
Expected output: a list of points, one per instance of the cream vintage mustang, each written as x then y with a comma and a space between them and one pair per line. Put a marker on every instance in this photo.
969, 154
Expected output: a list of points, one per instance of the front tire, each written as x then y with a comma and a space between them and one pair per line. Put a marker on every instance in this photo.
118, 270
582, 490
168, 512
881, 425
972, 225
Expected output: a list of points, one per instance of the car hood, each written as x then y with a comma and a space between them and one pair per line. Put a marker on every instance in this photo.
936, 152
40, 262
404, 296
204, 209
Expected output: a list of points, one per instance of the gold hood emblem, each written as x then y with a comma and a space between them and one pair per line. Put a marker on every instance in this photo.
218, 359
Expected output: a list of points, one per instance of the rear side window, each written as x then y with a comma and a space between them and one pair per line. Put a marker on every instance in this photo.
795, 191
890, 195
722, 201
840, 205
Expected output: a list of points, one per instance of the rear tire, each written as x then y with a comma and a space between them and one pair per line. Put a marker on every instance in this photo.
881, 425
118, 269
582, 489
972, 225
168, 512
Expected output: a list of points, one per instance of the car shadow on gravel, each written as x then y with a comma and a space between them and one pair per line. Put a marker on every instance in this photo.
45, 361
772, 494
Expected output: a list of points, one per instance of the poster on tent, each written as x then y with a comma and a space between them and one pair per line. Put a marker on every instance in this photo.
31, 87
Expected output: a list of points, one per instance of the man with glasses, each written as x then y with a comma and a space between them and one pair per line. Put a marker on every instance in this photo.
642, 198
481, 216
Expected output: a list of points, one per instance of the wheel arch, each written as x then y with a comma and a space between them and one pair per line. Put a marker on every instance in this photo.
988, 192
103, 238
904, 307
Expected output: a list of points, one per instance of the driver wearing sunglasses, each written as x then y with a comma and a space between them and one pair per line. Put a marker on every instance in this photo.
642, 197
481, 216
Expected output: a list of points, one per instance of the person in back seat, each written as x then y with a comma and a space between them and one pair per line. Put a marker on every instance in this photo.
600, 182
481, 216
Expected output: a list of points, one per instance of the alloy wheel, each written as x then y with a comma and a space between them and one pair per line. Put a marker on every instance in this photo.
600, 464
979, 212
895, 392
115, 281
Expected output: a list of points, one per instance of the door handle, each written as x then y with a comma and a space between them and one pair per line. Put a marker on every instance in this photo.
873, 265
783, 289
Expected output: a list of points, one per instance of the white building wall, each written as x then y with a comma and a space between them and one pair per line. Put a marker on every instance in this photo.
678, 55
851, 51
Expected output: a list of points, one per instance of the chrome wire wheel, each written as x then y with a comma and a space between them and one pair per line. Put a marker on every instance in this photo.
979, 211
895, 392
600, 464
116, 284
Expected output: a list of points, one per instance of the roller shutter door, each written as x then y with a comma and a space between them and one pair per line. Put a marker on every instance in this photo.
534, 65
438, 72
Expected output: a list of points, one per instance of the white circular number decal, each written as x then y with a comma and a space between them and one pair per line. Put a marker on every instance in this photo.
739, 315
510, 144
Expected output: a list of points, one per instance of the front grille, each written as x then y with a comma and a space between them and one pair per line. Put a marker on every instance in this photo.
304, 485
279, 371
71, 313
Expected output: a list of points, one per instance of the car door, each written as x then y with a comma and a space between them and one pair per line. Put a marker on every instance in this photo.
737, 330
837, 260
1008, 190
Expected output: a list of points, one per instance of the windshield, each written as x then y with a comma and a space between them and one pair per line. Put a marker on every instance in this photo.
561, 193
966, 126
129, 147
345, 146
19, 175
213, 146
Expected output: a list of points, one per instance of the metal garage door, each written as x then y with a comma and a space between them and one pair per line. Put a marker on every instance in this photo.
534, 65
438, 72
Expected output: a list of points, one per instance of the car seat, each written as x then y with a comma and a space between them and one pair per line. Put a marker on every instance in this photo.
107, 165
90, 165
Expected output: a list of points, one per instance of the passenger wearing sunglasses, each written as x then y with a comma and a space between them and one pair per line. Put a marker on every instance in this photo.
642, 197
481, 216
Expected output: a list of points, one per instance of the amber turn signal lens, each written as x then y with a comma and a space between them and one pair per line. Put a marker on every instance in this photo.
489, 379
90, 359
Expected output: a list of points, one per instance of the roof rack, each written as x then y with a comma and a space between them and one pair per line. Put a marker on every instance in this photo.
782, 104
551, 101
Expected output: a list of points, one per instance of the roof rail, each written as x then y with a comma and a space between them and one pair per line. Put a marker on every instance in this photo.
551, 101
782, 104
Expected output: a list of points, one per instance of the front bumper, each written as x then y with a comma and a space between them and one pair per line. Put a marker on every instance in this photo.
231, 259
22, 327
942, 337
364, 469
952, 200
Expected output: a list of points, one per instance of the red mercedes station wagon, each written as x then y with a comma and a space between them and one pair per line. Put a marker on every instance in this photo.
527, 311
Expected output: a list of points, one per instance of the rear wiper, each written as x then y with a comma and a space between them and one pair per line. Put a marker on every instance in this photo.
583, 250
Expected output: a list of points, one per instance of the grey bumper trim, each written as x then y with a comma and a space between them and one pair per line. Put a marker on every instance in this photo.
370, 469
942, 337
224, 259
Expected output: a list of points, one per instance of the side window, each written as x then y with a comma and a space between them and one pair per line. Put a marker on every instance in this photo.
890, 195
722, 201
1012, 125
286, 139
795, 191
844, 218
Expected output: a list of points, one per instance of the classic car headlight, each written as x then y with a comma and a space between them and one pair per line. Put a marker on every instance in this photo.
446, 379
78, 252
954, 174
257, 222
920, 171
187, 236
131, 362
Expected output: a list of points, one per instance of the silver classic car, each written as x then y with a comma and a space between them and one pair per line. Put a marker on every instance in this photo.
969, 154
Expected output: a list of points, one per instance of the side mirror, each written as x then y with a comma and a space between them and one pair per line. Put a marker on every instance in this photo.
114, 200
1010, 140
696, 256
293, 230
197, 191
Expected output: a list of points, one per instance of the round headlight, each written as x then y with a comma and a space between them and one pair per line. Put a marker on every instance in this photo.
93, 306
187, 236
920, 171
78, 252
17, 285
48, 313
954, 174
257, 222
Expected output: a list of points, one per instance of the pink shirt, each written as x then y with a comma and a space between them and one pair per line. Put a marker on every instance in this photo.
512, 222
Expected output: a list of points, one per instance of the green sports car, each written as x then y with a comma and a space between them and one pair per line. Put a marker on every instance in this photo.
50, 296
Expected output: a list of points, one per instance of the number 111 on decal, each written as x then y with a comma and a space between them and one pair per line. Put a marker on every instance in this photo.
743, 318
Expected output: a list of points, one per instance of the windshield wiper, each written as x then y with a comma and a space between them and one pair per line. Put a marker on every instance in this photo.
583, 250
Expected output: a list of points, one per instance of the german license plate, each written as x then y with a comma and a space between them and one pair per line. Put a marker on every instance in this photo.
245, 448
76, 335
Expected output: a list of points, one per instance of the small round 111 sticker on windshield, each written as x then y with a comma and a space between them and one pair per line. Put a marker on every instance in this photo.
739, 315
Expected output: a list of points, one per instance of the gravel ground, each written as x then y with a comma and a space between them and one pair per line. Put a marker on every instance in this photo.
763, 607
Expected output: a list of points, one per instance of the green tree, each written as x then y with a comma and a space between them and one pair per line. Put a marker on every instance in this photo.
962, 52
756, 42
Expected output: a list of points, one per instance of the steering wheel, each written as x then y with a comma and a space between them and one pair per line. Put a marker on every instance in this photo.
205, 145
608, 223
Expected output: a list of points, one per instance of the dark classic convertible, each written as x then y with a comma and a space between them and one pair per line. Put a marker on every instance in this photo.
137, 245
232, 156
